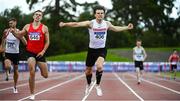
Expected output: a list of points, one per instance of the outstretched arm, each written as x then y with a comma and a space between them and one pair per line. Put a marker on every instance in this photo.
119, 28
2, 46
75, 24
20, 34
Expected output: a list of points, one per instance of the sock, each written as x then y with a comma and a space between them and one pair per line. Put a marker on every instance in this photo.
98, 77
88, 78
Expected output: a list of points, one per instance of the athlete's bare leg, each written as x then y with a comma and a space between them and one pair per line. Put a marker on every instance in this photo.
138, 74
7, 66
99, 66
31, 64
43, 68
88, 73
99, 71
16, 75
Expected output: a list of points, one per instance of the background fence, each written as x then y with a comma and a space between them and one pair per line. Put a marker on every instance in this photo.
78, 66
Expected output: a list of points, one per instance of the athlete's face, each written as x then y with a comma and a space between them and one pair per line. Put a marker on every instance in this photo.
175, 52
37, 16
12, 24
138, 43
99, 14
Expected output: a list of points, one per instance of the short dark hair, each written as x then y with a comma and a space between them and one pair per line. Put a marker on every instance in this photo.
174, 50
139, 40
12, 19
98, 8
38, 11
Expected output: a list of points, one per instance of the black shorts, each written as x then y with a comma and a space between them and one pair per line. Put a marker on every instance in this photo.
14, 57
139, 64
40, 59
173, 67
93, 55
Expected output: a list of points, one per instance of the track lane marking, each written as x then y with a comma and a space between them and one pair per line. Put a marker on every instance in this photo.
156, 84
140, 98
58, 85
39, 81
85, 97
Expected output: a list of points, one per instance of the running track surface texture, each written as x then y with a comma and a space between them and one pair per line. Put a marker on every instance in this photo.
70, 86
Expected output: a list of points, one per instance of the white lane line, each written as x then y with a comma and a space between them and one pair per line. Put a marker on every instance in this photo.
22, 78
58, 85
140, 98
85, 97
40, 81
156, 84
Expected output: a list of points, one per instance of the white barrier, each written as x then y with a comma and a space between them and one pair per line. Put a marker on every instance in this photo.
108, 66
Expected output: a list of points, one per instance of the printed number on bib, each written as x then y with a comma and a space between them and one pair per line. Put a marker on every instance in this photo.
99, 35
11, 45
34, 36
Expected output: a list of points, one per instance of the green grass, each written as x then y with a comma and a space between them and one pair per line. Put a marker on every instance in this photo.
111, 56
69, 57
81, 56
164, 49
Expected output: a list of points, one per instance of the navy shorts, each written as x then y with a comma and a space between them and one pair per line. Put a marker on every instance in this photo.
173, 67
39, 59
139, 64
93, 55
14, 57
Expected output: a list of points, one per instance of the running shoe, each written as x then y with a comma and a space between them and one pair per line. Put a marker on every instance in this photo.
15, 90
32, 97
98, 90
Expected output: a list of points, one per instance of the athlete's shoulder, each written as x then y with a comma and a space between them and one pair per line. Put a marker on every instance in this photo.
135, 47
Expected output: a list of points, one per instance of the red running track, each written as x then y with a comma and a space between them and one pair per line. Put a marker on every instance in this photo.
66, 86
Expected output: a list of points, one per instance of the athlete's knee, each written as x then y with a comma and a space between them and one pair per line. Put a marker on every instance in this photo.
88, 71
7, 66
45, 75
99, 67
137, 69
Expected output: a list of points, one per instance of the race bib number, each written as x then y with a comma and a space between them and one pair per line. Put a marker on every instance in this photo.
11, 45
34, 36
99, 35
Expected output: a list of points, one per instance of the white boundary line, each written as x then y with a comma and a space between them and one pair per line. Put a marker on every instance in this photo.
19, 79
85, 97
44, 80
140, 98
177, 92
58, 85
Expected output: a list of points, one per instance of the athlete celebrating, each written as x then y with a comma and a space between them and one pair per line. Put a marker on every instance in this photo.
97, 51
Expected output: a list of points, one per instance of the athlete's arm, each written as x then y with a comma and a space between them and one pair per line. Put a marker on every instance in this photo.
169, 60
47, 42
75, 24
119, 28
2, 46
20, 34
24, 41
145, 55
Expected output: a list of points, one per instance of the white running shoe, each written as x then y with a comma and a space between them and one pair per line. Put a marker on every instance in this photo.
32, 97
98, 90
88, 88
15, 90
